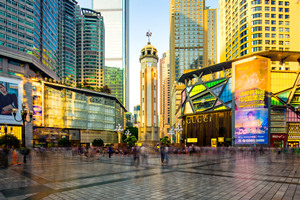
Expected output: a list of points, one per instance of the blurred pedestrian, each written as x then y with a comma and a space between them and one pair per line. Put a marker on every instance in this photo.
162, 153
110, 151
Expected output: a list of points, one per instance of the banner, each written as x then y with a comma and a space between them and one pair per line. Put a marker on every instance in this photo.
37, 104
251, 101
11, 96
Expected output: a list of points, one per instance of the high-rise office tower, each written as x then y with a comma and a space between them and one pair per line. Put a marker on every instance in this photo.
210, 24
90, 48
164, 79
137, 115
250, 26
113, 79
29, 34
67, 41
191, 39
116, 20
149, 130
188, 37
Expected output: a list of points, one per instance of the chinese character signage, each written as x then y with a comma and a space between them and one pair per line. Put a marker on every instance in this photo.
251, 101
37, 104
11, 96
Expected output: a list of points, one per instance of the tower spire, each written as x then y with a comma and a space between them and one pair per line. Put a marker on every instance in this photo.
149, 34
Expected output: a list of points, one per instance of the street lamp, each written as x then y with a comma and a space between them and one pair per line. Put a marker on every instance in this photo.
178, 129
119, 130
171, 133
24, 113
127, 133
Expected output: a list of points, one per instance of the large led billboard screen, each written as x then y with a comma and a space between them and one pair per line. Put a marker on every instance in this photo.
11, 96
251, 101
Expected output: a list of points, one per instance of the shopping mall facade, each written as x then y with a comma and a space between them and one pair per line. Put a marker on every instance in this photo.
61, 111
243, 102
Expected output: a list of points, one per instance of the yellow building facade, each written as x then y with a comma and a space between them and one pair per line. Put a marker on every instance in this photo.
251, 26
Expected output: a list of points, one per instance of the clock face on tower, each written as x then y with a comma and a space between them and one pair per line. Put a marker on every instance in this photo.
149, 64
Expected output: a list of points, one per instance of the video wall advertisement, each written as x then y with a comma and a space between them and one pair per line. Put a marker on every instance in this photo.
11, 96
37, 104
252, 84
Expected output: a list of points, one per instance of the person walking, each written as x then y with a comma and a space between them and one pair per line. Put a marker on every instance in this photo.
110, 151
162, 154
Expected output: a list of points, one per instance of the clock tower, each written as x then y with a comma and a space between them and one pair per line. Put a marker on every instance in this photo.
149, 130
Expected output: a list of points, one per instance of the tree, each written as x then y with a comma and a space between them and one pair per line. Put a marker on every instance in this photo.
106, 89
131, 140
98, 142
133, 130
165, 140
9, 140
64, 142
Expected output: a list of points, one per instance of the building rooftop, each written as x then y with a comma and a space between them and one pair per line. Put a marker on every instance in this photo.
282, 56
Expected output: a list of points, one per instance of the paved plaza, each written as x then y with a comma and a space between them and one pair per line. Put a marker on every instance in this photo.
63, 176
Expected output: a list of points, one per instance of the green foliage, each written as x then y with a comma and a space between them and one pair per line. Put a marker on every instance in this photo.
133, 130
9, 140
165, 140
98, 142
131, 140
64, 142
107, 145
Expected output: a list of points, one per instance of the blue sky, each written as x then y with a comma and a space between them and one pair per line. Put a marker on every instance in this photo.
145, 15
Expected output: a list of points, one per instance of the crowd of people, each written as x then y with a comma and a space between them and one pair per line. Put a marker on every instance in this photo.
141, 154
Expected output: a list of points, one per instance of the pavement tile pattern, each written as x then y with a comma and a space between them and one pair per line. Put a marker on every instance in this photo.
209, 176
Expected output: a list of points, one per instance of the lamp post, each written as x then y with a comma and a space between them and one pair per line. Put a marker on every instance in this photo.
127, 133
24, 113
171, 133
178, 129
119, 130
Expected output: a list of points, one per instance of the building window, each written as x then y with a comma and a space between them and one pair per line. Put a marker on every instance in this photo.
255, 49
273, 15
267, 42
267, 28
273, 35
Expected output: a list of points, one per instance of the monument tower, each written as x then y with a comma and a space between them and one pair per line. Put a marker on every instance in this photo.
149, 130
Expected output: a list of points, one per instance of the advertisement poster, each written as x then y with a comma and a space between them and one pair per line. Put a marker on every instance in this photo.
37, 104
11, 96
251, 102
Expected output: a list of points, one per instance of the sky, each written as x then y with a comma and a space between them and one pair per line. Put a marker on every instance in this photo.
145, 15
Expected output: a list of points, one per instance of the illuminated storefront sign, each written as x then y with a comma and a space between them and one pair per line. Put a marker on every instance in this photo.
251, 103
220, 139
37, 104
213, 142
192, 140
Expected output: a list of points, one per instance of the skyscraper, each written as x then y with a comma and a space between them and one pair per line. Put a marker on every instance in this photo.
137, 115
67, 41
29, 33
210, 24
193, 36
90, 48
189, 36
149, 130
251, 26
113, 79
164, 94
116, 19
